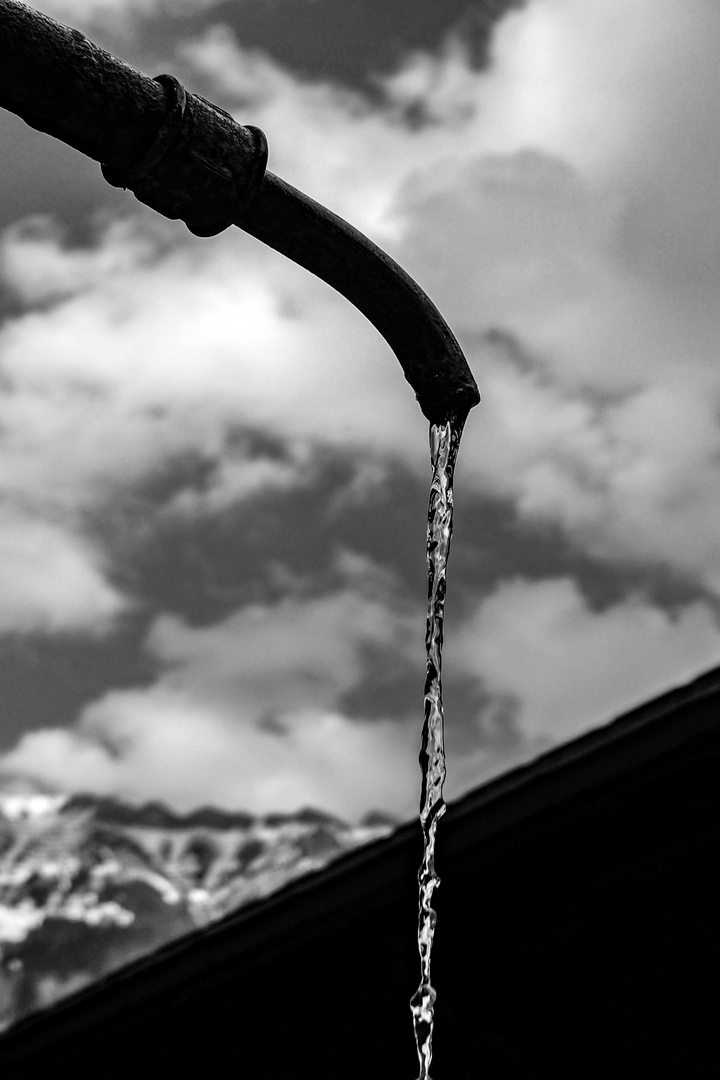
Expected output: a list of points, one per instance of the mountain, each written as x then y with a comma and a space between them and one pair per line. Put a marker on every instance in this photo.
89, 883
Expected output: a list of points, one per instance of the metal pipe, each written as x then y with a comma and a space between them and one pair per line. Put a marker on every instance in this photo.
188, 159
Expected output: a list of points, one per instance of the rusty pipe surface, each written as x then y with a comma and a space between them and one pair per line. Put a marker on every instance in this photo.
188, 159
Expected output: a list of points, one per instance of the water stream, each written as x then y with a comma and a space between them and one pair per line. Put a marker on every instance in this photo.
444, 443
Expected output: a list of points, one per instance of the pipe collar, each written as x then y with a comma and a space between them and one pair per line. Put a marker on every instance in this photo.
202, 166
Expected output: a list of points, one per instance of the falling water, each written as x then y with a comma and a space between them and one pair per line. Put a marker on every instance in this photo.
444, 443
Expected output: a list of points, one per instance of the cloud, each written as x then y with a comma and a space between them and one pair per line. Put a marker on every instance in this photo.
169, 345
190, 756
570, 667
50, 581
562, 210
119, 14
284, 656
246, 714
235, 481
580, 218
504, 213
566, 197
599, 86
39, 268
632, 477
142, 352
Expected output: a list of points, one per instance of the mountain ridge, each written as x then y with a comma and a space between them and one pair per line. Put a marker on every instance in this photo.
88, 883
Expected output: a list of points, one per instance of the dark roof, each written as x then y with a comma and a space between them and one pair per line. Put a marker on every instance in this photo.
577, 936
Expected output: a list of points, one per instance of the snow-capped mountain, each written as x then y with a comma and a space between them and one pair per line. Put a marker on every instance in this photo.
88, 884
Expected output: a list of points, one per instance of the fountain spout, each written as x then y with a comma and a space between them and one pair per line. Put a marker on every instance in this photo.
188, 159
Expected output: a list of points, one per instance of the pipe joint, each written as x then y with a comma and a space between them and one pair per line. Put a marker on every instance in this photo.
202, 166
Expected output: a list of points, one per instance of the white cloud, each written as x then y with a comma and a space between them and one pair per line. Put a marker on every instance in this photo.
323, 139
235, 481
580, 213
247, 712
284, 656
190, 755
38, 267
246, 715
161, 355
143, 352
633, 478
50, 580
572, 668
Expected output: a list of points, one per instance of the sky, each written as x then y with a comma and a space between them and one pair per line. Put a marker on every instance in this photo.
214, 476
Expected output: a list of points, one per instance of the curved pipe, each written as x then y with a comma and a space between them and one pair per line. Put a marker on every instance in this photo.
327, 246
59, 82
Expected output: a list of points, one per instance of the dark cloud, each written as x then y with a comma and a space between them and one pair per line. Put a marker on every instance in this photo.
40, 175
46, 680
346, 41
492, 541
203, 566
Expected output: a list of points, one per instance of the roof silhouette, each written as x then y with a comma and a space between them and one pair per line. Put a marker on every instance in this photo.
577, 936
